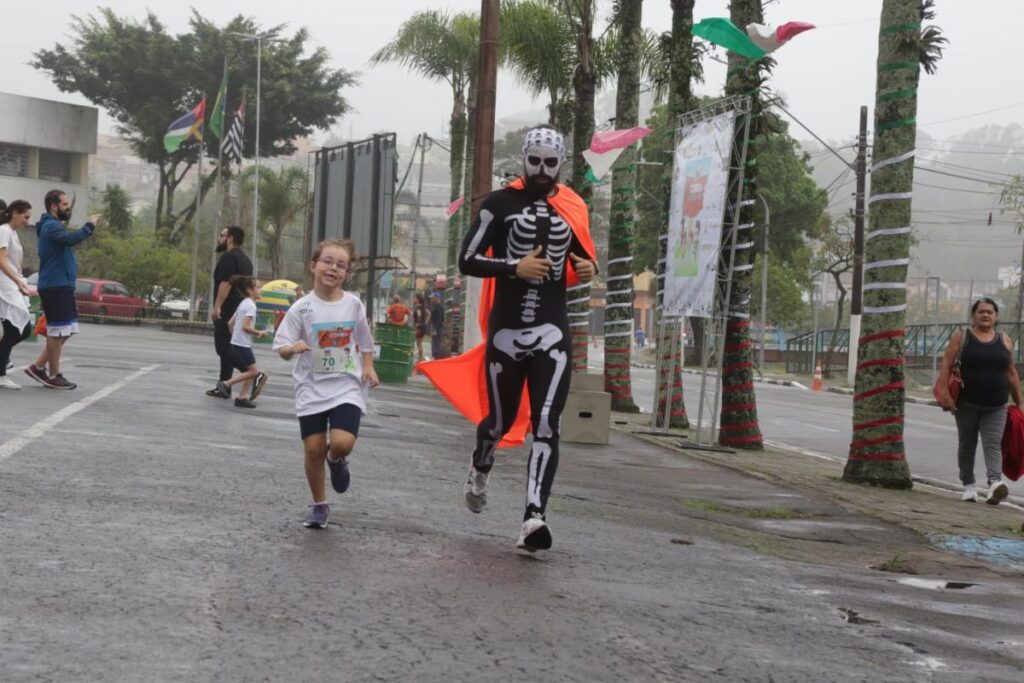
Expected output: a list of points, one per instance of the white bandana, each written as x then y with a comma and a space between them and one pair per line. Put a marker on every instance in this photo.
543, 144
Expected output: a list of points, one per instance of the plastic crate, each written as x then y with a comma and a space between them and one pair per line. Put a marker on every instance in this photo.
401, 335
392, 352
392, 372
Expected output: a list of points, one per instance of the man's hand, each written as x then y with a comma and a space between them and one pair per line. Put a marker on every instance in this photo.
585, 270
530, 267
96, 218
215, 313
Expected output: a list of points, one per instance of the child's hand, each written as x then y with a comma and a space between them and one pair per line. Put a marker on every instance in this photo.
370, 377
300, 346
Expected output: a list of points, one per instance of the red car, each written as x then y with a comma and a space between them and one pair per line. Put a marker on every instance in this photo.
107, 298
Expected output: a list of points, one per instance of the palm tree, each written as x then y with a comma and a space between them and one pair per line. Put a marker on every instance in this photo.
442, 47
739, 427
540, 50
684, 67
877, 454
619, 297
282, 203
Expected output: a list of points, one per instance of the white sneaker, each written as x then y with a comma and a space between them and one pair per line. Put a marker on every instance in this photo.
475, 490
997, 492
535, 535
7, 383
970, 494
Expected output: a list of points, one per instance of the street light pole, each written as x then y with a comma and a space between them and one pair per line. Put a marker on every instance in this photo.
764, 283
256, 186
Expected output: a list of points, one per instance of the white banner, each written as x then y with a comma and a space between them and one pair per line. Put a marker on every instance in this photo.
700, 179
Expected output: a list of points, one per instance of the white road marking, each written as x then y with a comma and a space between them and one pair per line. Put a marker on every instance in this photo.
40, 428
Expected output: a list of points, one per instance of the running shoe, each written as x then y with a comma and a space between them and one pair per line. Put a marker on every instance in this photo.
38, 374
58, 382
244, 403
997, 492
7, 383
258, 384
317, 516
217, 392
475, 490
970, 494
535, 534
340, 477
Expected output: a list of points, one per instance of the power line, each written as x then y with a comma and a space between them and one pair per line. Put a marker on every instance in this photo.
968, 116
954, 189
962, 177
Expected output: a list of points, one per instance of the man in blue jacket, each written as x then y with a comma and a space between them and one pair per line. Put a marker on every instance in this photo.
58, 270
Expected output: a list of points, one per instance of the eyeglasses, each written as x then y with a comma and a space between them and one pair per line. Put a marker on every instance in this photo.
550, 162
343, 266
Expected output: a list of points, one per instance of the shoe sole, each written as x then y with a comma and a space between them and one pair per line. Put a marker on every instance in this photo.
999, 495
540, 539
311, 525
257, 387
54, 386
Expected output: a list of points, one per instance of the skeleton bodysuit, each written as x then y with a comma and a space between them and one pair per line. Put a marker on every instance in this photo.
528, 329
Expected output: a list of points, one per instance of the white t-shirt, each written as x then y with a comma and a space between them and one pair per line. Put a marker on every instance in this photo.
246, 309
331, 373
13, 304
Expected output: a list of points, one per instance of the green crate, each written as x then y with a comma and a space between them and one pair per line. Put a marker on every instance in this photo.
392, 352
393, 372
402, 335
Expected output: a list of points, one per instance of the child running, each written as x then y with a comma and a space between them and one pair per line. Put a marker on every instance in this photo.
328, 332
243, 327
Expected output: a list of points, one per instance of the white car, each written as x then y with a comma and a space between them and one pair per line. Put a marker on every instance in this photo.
175, 308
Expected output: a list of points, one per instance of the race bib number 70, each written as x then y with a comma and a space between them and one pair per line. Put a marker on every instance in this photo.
334, 352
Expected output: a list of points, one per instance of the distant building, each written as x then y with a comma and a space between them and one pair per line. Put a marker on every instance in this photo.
45, 145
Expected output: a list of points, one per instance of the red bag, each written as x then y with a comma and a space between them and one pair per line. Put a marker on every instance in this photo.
956, 380
1013, 444
40, 328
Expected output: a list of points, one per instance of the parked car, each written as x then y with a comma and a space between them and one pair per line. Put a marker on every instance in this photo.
174, 308
107, 298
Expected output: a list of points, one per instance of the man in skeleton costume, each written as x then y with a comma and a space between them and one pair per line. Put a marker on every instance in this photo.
522, 241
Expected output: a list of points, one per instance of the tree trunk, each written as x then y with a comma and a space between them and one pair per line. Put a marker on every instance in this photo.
158, 218
584, 85
877, 454
739, 427
680, 94
618, 310
457, 130
840, 305
464, 217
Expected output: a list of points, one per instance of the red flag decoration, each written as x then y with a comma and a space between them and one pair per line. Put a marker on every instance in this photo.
607, 140
769, 41
455, 206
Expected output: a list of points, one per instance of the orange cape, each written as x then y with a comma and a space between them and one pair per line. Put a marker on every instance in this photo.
461, 379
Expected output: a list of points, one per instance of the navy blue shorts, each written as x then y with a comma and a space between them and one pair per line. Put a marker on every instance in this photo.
345, 417
61, 311
245, 355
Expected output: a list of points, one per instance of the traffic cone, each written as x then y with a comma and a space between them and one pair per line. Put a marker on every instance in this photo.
816, 385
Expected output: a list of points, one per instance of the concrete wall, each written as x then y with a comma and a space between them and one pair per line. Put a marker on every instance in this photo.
33, 122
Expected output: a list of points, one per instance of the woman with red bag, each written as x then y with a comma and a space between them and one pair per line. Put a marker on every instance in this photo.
989, 378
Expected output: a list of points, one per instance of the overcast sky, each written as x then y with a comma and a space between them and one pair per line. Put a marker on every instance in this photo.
825, 74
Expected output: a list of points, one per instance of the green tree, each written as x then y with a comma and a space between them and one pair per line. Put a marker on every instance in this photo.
282, 204
835, 258
145, 265
540, 48
116, 208
877, 454
618, 317
145, 77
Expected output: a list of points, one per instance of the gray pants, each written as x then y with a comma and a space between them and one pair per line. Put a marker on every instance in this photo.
972, 420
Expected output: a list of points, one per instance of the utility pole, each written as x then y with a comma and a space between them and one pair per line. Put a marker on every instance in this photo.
764, 284
856, 303
483, 149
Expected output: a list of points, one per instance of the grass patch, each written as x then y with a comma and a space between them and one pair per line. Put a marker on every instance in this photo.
753, 513
897, 564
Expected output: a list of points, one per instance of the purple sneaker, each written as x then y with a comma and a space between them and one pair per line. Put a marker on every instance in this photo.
58, 382
317, 517
38, 374
340, 476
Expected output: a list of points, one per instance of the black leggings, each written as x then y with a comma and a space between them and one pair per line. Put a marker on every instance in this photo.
229, 358
546, 371
12, 336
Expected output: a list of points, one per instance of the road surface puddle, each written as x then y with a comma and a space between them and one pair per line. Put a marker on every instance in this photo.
933, 584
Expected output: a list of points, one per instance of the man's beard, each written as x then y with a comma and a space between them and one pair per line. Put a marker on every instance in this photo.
539, 185
64, 215
221, 246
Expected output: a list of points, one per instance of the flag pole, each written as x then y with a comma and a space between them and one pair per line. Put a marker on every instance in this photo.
238, 207
196, 221
218, 202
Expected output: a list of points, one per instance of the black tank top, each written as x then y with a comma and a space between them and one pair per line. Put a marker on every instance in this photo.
983, 366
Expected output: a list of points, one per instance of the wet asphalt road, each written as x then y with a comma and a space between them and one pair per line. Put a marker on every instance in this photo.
151, 533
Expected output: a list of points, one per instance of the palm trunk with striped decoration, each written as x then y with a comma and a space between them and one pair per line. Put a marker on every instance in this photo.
877, 454
739, 427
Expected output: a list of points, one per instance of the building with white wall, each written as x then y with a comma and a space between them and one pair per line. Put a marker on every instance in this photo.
45, 145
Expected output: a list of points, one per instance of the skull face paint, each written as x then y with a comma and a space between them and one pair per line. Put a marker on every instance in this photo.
543, 153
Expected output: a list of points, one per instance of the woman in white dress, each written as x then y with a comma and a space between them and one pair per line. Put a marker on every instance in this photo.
14, 312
